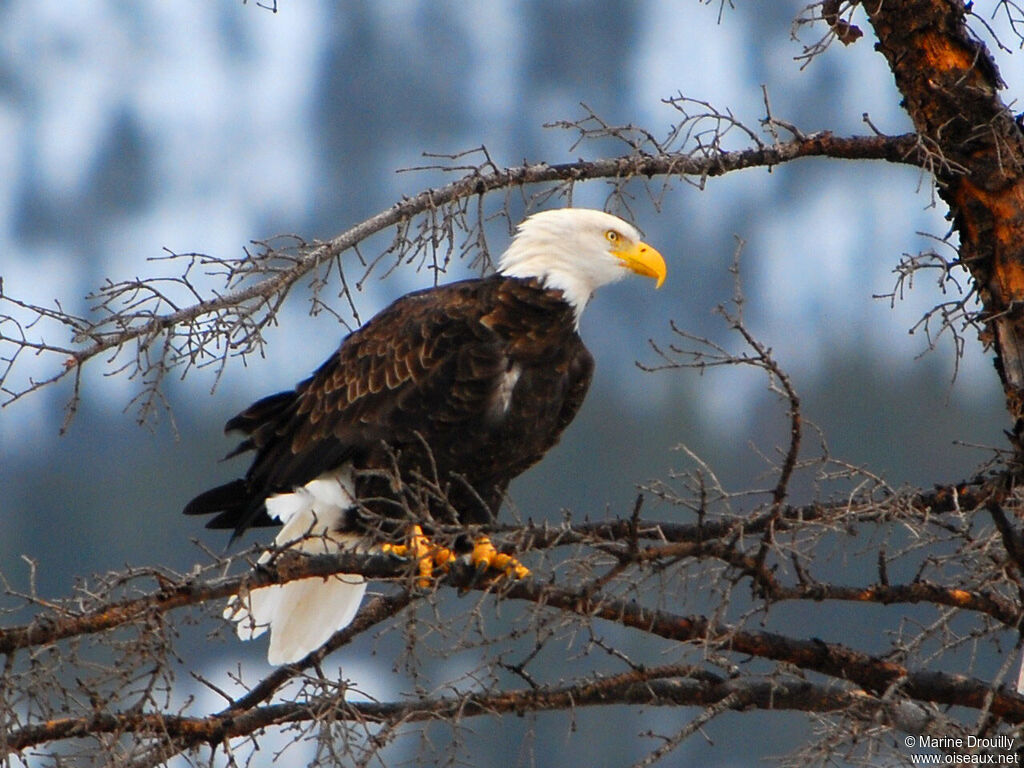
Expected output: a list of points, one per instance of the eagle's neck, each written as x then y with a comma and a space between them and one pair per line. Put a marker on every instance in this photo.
574, 288
562, 292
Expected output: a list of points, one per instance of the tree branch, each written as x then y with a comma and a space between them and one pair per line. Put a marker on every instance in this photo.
661, 686
231, 312
950, 86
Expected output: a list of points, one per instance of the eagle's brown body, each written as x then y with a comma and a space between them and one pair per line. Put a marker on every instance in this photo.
424, 415
459, 388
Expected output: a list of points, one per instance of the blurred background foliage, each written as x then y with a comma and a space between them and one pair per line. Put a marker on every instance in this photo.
199, 126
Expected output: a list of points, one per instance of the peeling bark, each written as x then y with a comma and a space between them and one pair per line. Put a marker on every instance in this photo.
950, 87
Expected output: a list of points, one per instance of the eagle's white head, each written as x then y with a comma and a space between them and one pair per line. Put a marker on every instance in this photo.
577, 250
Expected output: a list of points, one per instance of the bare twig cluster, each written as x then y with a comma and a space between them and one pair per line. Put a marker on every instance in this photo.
952, 318
216, 309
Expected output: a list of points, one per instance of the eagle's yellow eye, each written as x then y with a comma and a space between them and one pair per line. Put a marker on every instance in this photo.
612, 236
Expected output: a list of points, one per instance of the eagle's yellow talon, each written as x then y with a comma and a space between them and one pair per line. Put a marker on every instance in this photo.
429, 556
419, 548
485, 556
443, 558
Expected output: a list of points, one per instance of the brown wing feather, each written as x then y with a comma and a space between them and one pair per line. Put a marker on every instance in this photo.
385, 382
422, 372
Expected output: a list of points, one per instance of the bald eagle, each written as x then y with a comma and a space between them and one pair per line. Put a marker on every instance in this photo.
424, 414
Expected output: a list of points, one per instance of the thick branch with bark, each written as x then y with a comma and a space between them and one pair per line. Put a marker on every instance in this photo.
951, 90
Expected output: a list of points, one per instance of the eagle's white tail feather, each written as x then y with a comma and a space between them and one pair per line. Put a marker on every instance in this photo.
303, 614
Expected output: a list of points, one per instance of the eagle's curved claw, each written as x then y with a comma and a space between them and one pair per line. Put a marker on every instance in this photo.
425, 552
420, 549
429, 556
485, 557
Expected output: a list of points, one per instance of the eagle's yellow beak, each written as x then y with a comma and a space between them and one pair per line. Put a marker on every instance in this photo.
644, 260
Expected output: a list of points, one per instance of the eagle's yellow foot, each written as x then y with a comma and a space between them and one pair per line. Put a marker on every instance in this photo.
429, 556
426, 554
486, 556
